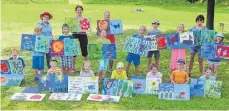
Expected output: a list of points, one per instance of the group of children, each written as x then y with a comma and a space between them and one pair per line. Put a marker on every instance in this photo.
178, 73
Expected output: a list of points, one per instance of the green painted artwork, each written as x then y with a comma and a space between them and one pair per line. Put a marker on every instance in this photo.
94, 52
125, 88
213, 89
72, 23
42, 44
207, 36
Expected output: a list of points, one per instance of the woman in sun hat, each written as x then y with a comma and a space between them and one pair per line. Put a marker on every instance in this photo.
46, 30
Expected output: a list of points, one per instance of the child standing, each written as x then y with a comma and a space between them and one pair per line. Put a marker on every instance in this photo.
38, 57
14, 56
54, 69
208, 75
214, 63
66, 61
180, 76
153, 32
177, 53
131, 57
86, 70
119, 73
154, 72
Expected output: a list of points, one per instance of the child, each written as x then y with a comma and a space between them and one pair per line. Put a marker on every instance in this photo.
154, 31
86, 70
180, 76
214, 63
37, 57
66, 61
119, 73
131, 57
208, 75
54, 69
14, 56
177, 53
154, 72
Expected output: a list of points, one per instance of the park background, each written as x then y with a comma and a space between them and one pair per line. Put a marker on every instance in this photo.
20, 16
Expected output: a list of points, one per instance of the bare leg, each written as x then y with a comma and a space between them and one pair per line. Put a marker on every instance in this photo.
68, 71
149, 64
191, 63
111, 64
36, 72
157, 63
73, 62
103, 74
128, 67
136, 69
200, 60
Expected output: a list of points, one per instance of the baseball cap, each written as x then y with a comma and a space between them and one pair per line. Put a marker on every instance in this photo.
219, 34
155, 22
181, 61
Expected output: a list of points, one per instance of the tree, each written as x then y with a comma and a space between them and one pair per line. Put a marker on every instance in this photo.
210, 14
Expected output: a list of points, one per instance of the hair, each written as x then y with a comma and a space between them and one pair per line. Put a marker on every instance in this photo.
85, 62
179, 25
154, 65
143, 26
79, 6
13, 49
37, 27
64, 25
106, 12
200, 17
208, 68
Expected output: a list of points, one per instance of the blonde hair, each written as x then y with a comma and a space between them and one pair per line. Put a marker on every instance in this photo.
13, 49
37, 27
143, 26
86, 62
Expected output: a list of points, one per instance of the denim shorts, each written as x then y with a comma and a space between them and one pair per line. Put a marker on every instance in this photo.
155, 53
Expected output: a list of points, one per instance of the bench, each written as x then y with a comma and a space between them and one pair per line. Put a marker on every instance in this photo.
221, 24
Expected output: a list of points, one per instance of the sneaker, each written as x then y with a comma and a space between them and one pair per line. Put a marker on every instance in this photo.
73, 70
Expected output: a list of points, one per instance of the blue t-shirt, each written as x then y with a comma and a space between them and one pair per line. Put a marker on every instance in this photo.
46, 29
18, 58
203, 78
62, 37
154, 32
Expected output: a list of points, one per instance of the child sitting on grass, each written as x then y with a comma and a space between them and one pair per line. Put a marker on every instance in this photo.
119, 73
54, 69
180, 76
86, 70
14, 56
154, 72
208, 75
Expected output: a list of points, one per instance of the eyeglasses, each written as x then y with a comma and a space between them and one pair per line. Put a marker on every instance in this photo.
156, 23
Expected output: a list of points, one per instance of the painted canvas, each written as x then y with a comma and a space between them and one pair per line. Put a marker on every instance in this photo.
103, 26
91, 85
94, 52
110, 87
103, 98
85, 25
196, 88
166, 91
16, 67
28, 42
59, 83
172, 40
75, 85
207, 36
139, 86
57, 48
42, 44
208, 51
30, 90
181, 92
72, 23
125, 88
222, 51
5, 67
186, 40
44, 82
71, 47
27, 97
116, 27
109, 51
13, 80
161, 41
213, 89
152, 85
65, 96
153, 40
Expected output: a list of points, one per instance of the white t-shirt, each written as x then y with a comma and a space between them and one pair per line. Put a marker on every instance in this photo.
158, 75
84, 74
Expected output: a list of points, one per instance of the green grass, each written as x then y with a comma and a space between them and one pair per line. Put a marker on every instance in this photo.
17, 19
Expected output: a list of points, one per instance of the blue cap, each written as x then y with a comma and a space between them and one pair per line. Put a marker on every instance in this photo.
219, 34
181, 61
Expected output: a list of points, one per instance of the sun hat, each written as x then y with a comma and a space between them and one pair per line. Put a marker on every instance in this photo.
46, 13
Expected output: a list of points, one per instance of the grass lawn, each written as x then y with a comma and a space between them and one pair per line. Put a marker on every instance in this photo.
18, 19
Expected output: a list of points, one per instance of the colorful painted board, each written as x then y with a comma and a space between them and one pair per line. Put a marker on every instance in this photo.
30, 90
207, 36
94, 52
152, 85
11, 80
103, 27
44, 82
59, 83
125, 88
110, 87
116, 27
213, 89
76, 25
196, 87
16, 67
28, 42
91, 85
103, 98
139, 84
5, 67
27, 97
166, 91
197, 36
181, 92
172, 40
57, 48
161, 41
208, 51
222, 51
42, 44
72, 23
75, 84
71, 47
109, 51
65, 96
187, 40
153, 39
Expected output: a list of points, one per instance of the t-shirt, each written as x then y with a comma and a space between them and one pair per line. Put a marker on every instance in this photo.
121, 76
153, 32
85, 74
158, 75
203, 78
62, 37
195, 29
18, 58
179, 77
46, 29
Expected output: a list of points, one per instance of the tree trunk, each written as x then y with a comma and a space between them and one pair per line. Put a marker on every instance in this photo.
210, 14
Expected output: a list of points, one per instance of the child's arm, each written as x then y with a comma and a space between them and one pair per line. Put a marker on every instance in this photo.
172, 78
113, 75
187, 78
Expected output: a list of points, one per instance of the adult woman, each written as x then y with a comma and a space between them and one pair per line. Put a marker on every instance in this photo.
46, 31
196, 50
82, 36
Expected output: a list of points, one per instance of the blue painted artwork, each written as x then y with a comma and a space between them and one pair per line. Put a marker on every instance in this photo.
42, 44
71, 47
208, 51
59, 83
166, 91
28, 42
11, 80
91, 85
110, 87
197, 36
5, 67
44, 82
196, 87
116, 27
139, 84
30, 90
109, 51
181, 92
172, 40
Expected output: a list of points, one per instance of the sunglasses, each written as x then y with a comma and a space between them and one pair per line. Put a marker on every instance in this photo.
156, 23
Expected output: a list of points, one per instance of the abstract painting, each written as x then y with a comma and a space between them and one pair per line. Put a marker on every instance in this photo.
27, 97
208, 51
103, 98
222, 51
139, 84
213, 89
28, 42
110, 87
5, 67
152, 85
42, 44
125, 88
161, 41
71, 47
166, 91
109, 51
16, 66
172, 40
59, 83
85, 25
116, 27
196, 88
207, 36
103, 26
72, 23
94, 52
44, 82
57, 48
13, 80
65, 96
181, 92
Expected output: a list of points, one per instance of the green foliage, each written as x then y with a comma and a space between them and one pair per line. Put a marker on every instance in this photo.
34, 1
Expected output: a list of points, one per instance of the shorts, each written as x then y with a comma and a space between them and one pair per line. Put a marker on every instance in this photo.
38, 62
133, 58
195, 50
155, 53
66, 62
83, 42
103, 63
